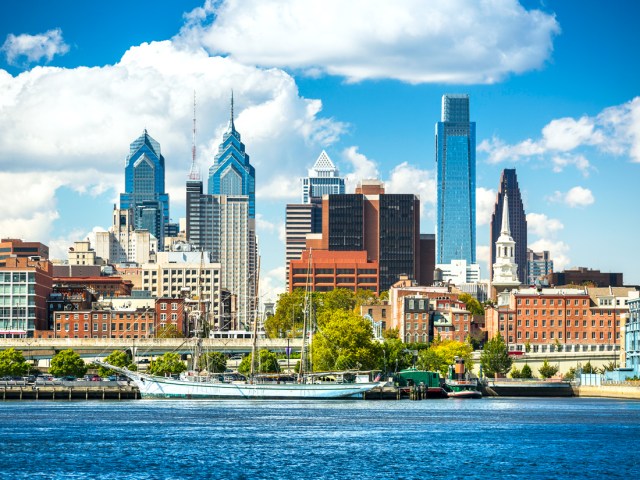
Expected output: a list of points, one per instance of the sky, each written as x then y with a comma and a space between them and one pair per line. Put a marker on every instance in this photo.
554, 91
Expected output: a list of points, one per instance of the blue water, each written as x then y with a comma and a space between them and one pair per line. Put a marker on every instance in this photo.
488, 438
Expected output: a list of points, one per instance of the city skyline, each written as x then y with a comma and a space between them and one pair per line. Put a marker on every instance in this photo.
549, 98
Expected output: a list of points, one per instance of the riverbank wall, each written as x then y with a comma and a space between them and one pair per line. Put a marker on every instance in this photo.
629, 392
30, 392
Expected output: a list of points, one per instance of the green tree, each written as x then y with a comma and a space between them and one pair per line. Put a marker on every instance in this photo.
515, 373
267, 363
336, 299
67, 362
526, 371
495, 358
395, 353
609, 367
557, 345
117, 358
548, 371
571, 374
12, 363
527, 346
588, 368
288, 317
169, 331
167, 364
472, 305
213, 362
344, 341
439, 356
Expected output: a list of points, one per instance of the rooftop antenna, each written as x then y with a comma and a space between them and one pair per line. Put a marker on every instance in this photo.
194, 174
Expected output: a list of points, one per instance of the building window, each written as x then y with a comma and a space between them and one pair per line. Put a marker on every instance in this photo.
86, 327
163, 306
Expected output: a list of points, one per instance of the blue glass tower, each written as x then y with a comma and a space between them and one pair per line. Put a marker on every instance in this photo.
231, 172
144, 187
456, 166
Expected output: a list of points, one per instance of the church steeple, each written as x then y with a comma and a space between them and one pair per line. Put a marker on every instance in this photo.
506, 229
505, 270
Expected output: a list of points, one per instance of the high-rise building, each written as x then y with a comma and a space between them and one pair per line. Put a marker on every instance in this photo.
386, 226
231, 172
14, 247
144, 192
306, 217
123, 243
539, 265
517, 222
323, 179
456, 173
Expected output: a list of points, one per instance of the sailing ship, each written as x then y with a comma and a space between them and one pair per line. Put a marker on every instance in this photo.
308, 385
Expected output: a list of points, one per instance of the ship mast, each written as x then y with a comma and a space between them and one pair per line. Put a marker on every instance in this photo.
305, 323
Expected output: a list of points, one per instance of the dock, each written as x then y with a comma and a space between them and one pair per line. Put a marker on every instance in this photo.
81, 391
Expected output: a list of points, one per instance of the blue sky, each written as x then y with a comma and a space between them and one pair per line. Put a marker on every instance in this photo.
553, 87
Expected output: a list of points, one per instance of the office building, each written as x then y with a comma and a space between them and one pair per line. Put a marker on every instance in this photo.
144, 193
517, 222
231, 172
14, 247
456, 175
539, 265
123, 243
324, 179
585, 276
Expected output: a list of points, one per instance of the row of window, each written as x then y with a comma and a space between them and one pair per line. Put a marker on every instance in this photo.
552, 323
558, 335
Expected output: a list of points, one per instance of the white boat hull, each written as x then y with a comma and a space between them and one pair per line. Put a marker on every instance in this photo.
154, 387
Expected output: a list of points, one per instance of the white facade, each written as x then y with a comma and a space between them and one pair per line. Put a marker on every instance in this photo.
458, 272
505, 270
81, 253
123, 244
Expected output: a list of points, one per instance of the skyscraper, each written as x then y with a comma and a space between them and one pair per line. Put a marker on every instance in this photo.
306, 217
231, 172
517, 221
456, 166
323, 179
144, 191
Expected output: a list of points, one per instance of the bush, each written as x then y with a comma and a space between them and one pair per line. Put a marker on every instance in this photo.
526, 371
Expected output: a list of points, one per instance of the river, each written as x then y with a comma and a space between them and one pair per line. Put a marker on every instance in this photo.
162, 439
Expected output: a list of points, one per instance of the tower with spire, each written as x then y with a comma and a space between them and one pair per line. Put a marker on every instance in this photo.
505, 270
231, 172
144, 194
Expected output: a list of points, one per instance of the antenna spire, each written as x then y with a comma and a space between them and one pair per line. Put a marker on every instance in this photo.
194, 174
232, 126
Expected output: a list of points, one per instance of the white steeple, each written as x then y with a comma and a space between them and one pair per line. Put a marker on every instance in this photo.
505, 270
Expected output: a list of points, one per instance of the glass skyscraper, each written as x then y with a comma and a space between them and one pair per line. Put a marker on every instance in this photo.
144, 187
323, 179
456, 166
231, 172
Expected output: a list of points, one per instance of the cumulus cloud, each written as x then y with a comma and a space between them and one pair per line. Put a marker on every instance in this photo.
406, 178
59, 121
615, 130
485, 203
408, 40
483, 259
272, 284
541, 225
362, 168
575, 197
34, 48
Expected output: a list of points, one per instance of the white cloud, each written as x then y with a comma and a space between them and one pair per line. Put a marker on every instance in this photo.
458, 41
559, 252
362, 168
280, 187
34, 47
264, 225
406, 178
483, 259
53, 121
485, 204
615, 130
272, 284
575, 197
541, 225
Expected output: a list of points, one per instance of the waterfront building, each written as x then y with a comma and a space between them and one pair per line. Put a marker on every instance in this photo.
505, 270
301, 219
632, 337
82, 254
231, 172
456, 175
517, 222
123, 242
567, 319
14, 247
144, 191
539, 266
418, 319
106, 322
324, 179
586, 276
25, 285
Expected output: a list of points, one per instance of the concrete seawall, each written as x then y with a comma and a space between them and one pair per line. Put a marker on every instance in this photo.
31, 392
628, 392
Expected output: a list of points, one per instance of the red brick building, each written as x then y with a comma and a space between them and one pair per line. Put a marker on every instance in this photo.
13, 247
100, 286
571, 319
171, 311
327, 270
